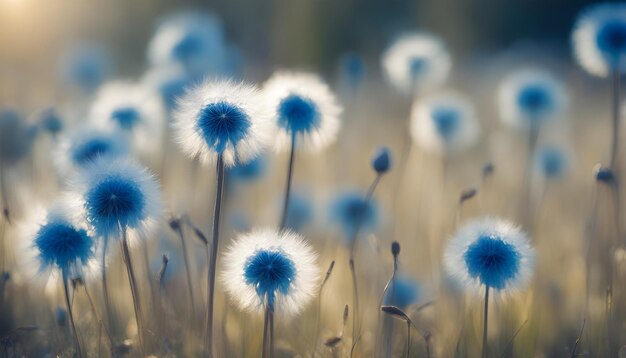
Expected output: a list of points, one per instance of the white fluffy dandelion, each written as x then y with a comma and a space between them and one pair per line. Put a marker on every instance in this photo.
303, 106
444, 123
416, 61
223, 118
134, 109
529, 97
490, 252
267, 268
599, 39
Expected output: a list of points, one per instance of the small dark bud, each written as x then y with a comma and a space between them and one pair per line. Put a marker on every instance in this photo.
381, 161
395, 248
175, 224
468, 194
604, 174
488, 169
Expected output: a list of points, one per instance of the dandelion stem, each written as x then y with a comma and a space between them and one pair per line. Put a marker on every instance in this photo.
265, 331
485, 321
408, 339
133, 288
271, 337
101, 323
213, 257
292, 154
616, 118
105, 285
355, 320
192, 304
69, 311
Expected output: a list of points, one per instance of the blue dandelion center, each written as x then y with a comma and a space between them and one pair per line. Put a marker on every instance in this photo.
535, 99
492, 261
611, 39
298, 114
126, 117
61, 244
221, 124
270, 272
446, 120
115, 202
91, 150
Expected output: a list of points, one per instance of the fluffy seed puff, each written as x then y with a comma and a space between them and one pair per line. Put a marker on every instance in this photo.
490, 252
266, 267
530, 97
303, 105
444, 123
223, 118
599, 39
416, 61
134, 109
119, 196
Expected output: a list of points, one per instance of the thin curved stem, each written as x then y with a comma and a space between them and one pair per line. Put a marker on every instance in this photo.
192, 304
408, 339
265, 331
79, 350
485, 321
616, 118
213, 254
271, 335
105, 285
292, 154
133, 288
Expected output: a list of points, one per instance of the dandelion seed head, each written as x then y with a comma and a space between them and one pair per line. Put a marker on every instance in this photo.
490, 252
266, 267
223, 117
169, 81
119, 195
303, 106
599, 39
381, 161
444, 123
83, 146
416, 61
531, 97
552, 161
352, 212
86, 66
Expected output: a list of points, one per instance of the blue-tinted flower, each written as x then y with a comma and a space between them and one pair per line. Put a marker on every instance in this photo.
120, 195
135, 109
270, 268
223, 118
490, 252
444, 123
51, 122
352, 70
83, 146
304, 106
531, 97
352, 213
169, 82
599, 38
63, 242
194, 40
86, 66
16, 137
416, 61
552, 161
381, 161
402, 292
248, 171
300, 212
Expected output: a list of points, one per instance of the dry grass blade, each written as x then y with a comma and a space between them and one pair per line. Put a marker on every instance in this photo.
332, 342
395, 312
468, 194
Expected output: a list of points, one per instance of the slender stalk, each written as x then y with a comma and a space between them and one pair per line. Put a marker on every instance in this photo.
356, 306
105, 285
485, 321
292, 154
271, 335
133, 288
101, 323
213, 258
319, 305
79, 350
533, 136
616, 118
408, 339
192, 304
265, 331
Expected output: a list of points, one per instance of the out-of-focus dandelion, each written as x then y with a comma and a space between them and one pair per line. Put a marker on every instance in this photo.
85, 66
194, 40
402, 292
307, 114
228, 123
352, 67
63, 242
599, 41
490, 253
51, 122
415, 62
300, 212
270, 271
444, 123
121, 200
552, 161
352, 213
249, 171
85, 145
169, 82
134, 109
